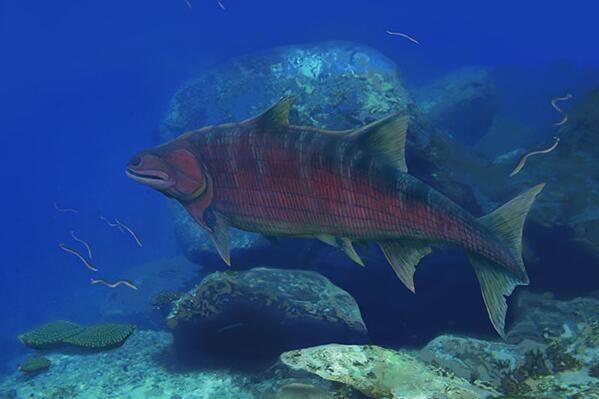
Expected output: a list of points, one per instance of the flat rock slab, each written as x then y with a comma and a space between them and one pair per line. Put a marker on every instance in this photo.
381, 373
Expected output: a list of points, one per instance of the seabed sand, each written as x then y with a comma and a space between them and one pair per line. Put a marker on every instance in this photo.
136, 370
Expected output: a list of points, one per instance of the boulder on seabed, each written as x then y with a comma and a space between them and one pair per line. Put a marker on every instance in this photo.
259, 313
463, 103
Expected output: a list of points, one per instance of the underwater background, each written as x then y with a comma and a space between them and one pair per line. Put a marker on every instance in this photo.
85, 85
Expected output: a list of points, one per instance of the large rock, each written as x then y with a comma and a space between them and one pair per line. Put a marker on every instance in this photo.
476, 359
463, 103
381, 373
261, 312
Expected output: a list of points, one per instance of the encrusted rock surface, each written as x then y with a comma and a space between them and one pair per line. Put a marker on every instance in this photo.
264, 310
551, 350
382, 373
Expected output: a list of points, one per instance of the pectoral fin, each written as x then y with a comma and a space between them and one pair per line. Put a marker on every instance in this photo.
348, 248
219, 234
403, 257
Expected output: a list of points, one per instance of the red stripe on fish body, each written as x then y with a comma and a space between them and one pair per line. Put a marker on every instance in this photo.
296, 181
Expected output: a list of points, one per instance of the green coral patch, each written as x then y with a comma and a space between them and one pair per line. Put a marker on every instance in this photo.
102, 336
35, 364
50, 334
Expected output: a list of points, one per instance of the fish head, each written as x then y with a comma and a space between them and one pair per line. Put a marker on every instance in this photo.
173, 169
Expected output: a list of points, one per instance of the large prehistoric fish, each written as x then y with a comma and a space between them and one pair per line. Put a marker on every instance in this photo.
267, 176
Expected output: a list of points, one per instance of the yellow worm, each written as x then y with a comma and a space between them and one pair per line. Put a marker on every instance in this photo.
77, 254
522, 160
124, 226
89, 250
126, 283
405, 36
558, 109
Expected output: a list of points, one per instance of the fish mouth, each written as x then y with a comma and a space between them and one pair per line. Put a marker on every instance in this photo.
153, 178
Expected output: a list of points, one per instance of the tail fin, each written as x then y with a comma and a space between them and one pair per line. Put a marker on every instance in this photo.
496, 282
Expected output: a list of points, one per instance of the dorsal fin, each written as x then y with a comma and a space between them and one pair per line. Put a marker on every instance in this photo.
278, 114
386, 137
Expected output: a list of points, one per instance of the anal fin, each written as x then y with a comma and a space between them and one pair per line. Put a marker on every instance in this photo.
496, 284
403, 257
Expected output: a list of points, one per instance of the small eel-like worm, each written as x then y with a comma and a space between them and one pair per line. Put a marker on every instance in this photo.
405, 36
64, 210
135, 237
188, 4
220, 4
89, 250
126, 283
77, 254
558, 109
522, 160
114, 225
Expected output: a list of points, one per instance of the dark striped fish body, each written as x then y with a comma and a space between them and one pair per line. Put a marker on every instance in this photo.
267, 176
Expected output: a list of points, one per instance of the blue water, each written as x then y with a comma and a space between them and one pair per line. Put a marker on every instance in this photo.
84, 85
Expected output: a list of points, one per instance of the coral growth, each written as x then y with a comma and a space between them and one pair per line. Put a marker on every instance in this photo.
102, 336
50, 334
64, 333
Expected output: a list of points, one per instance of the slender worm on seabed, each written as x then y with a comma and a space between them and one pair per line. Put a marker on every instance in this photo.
89, 250
558, 109
188, 4
77, 254
410, 38
130, 232
126, 283
522, 160
65, 210
115, 225
220, 4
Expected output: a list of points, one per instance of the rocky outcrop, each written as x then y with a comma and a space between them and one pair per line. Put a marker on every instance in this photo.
381, 373
551, 350
462, 103
261, 312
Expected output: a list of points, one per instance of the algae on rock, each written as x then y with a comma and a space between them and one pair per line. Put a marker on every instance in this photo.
382, 373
